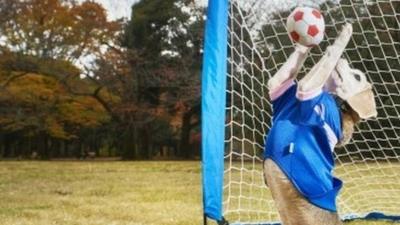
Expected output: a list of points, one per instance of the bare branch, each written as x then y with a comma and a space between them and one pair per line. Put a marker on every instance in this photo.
12, 78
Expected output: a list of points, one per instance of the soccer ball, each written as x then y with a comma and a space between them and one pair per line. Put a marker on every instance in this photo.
306, 26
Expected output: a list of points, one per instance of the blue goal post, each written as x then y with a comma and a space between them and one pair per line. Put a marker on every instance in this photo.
213, 106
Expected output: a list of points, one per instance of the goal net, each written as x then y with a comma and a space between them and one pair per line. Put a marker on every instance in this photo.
258, 44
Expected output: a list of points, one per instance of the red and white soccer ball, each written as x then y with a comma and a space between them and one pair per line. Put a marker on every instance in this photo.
306, 26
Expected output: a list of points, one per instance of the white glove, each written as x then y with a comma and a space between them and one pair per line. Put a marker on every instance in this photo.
322, 71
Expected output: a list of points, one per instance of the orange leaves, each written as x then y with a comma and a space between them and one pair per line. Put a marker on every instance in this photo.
55, 128
40, 103
90, 15
57, 29
33, 89
83, 112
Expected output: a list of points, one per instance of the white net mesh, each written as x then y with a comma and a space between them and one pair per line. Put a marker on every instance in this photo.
258, 45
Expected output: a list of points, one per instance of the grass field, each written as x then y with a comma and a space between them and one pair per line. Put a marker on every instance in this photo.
102, 193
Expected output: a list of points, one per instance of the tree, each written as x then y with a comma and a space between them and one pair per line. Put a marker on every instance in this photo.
55, 29
168, 42
47, 97
38, 105
141, 91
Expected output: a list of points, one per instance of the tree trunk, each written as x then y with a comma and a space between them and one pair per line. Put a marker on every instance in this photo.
29, 146
1, 145
7, 146
145, 143
129, 143
45, 147
184, 148
184, 142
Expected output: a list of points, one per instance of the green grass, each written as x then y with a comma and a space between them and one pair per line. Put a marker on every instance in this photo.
102, 193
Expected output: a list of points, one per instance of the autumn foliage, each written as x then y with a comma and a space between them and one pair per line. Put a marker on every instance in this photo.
73, 82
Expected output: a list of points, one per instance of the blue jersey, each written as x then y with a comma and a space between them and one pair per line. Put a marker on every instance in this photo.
305, 129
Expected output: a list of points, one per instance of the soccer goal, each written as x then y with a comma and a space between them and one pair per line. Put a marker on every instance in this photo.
245, 43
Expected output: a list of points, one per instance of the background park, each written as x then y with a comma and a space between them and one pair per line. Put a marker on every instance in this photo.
100, 113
